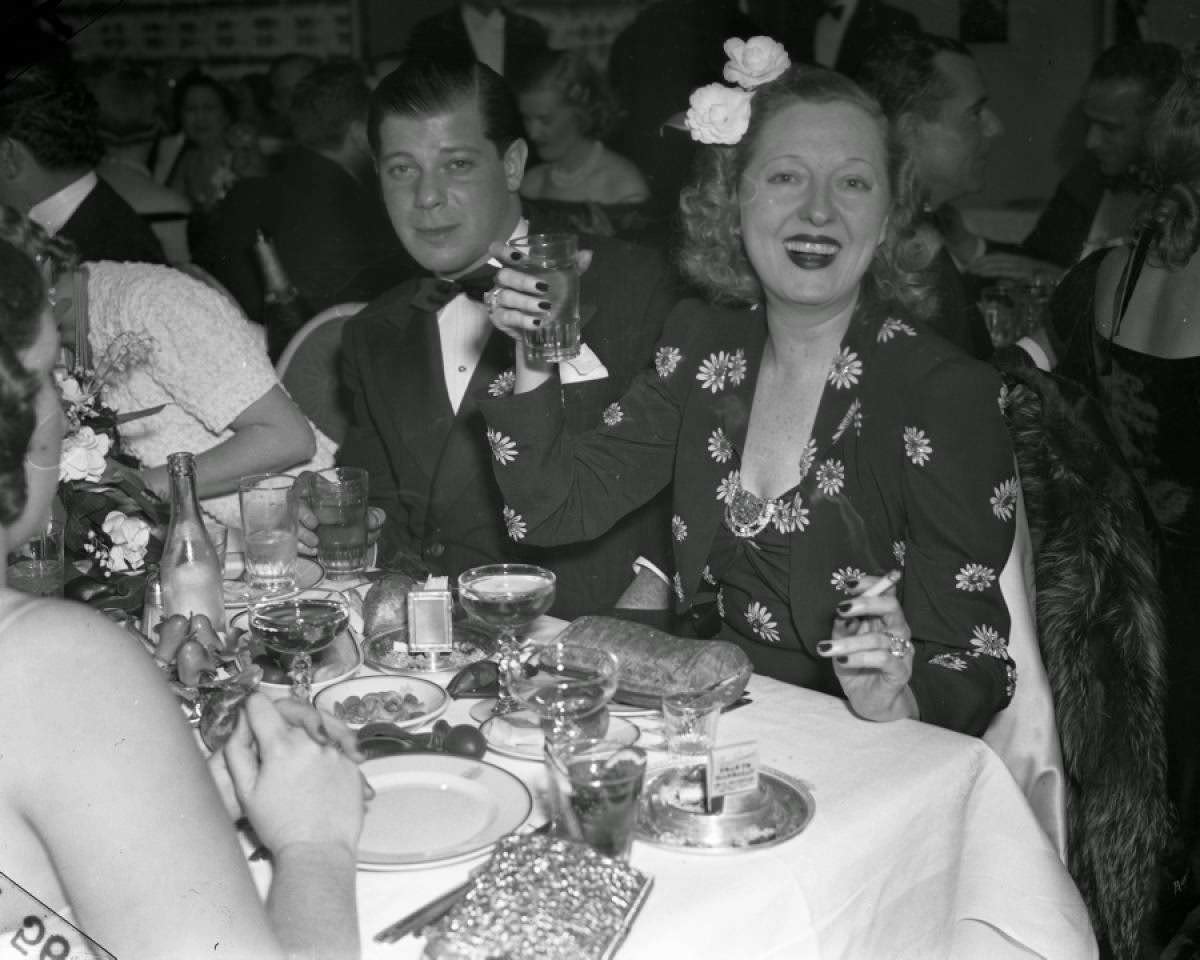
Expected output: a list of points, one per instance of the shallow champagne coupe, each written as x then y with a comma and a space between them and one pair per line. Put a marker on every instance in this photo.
506, 597
569, 686
298, 627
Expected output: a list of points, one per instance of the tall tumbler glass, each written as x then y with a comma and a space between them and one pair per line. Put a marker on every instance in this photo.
269, 526
338, 496
550, 257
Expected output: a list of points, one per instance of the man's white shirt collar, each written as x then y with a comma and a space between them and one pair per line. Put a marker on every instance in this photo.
53, 213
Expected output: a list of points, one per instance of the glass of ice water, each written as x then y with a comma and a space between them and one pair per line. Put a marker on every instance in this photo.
269, 526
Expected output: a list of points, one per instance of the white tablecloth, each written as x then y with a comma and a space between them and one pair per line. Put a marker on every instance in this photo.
922, 846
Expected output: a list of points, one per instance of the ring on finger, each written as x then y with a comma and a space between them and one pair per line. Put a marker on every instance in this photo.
899, 646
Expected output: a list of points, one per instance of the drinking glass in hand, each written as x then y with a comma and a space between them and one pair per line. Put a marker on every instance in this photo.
595, 786
338, 497
269, 526
550, 257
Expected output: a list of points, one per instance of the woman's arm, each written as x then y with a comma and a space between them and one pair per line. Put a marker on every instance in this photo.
269, 436
94, 755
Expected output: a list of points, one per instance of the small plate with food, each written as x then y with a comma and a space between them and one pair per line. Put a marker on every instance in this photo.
404, 702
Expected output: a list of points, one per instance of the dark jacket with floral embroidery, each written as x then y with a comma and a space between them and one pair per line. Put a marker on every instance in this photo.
909, 463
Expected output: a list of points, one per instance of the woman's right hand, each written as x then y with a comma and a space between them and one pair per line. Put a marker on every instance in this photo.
293, 789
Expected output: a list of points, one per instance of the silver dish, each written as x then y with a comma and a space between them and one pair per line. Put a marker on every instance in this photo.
672, 814
387, 650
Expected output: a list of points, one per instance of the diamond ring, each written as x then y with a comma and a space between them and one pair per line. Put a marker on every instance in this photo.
899, 646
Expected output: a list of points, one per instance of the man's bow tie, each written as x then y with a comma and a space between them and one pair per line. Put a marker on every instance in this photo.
433, 293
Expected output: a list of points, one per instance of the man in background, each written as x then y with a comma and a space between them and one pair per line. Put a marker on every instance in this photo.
49, 149
1095, 204
935, 98
837, 34
483, 30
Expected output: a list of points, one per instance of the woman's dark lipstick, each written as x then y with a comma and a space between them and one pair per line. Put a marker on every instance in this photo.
811, 251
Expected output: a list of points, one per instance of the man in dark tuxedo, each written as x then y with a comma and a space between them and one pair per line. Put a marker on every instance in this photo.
832, 33
322, 210
480, 30
448, 147
49, 148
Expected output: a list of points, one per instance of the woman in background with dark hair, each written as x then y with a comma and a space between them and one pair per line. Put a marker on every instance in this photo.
215, 153
107, 813
815, 440
567, 110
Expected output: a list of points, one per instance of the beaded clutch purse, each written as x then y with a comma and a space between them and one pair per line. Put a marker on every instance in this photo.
543, 897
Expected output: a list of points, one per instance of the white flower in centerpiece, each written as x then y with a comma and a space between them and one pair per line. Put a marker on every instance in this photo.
1004, 499
718, 114
503, 385
613, 414
845, 369
720, 446
762, 622
666, 359
755, 61
917, 446
678, 528
831, 477
503, 447
974, 578
130, 538
987, 640
514, 523
83, 455
69, 389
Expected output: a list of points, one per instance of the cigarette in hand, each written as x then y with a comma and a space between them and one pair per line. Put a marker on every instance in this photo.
882, 585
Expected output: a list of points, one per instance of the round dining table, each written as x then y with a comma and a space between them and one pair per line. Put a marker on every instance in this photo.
921, 846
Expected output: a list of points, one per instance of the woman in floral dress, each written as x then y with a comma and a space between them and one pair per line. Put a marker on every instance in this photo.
816, 439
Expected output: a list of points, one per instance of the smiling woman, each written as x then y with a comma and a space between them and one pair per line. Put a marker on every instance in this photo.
842, 478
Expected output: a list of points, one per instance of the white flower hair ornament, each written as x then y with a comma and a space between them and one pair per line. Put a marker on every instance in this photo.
720, 114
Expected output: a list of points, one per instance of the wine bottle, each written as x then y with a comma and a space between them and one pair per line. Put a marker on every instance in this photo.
284, 310
190, 570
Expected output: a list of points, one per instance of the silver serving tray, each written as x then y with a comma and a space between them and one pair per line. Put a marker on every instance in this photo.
385, 650
778, 810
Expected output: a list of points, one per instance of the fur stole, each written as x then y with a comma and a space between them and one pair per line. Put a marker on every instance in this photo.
1102, 640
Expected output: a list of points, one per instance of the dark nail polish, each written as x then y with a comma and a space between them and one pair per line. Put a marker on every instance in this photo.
517, 255
537, 321
843, 659
843, 607
824, 646
543, 304
542, 287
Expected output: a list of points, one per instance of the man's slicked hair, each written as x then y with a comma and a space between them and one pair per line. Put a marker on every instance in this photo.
50, 111
1154, 65
901, 74
423, 87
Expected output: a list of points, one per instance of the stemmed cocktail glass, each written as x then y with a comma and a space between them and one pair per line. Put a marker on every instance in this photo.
568, 685
506, 597
298, 627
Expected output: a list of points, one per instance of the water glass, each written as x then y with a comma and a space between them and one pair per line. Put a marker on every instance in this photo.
550, 257
338, 496
37, 566
690, 725
269, 527
595, 786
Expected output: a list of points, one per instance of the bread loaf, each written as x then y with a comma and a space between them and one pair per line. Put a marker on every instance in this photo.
654, 663
386, 604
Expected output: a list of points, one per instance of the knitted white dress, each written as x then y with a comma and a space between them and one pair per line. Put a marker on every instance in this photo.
209, 363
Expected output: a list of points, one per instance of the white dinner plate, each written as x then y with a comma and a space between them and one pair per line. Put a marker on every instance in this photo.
435, 808
308, 574
531, 745
434, 700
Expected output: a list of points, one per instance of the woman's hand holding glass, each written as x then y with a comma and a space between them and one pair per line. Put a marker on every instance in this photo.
294, 789
872, 652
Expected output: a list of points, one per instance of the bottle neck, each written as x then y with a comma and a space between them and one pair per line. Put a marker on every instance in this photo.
184, 503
